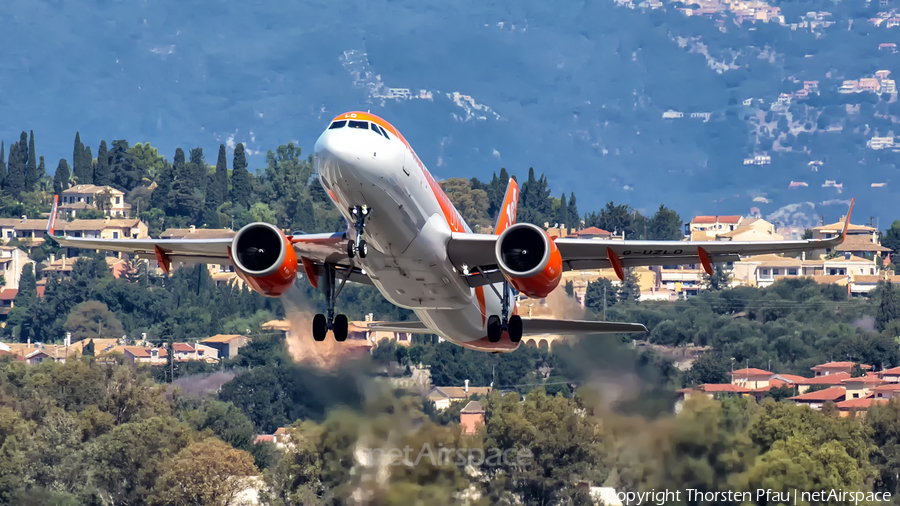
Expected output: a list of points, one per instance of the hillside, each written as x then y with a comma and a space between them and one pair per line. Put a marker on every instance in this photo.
576, 90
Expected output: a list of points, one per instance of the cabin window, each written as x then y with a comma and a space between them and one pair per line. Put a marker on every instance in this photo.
359, 124
337, 124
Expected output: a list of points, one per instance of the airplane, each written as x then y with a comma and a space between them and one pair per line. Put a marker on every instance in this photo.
406, 238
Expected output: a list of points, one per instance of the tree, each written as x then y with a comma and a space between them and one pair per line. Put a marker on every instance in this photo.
708, 368
562, 212
888, 308
31, 170
574, 217
21, 317
241, 184
126, 174
82, 172
93, 319
61, 178
2, 162
223, 419
807, 234
665, 225
102, 171
596, 292
720, 279
207, 472
183, 197
88, 349
630, 288
15, 179
219, 189
472, 204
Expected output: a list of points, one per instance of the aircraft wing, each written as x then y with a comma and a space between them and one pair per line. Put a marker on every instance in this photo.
411, 327
531, 327
476, 253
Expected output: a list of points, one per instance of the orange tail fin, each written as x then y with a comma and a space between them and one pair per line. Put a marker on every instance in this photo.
508, 209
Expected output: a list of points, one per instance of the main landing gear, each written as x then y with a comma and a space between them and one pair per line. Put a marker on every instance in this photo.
359, 245
322, 323
497, 325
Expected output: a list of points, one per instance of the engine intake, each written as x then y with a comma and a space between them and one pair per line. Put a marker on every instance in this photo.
264, 258
529, 259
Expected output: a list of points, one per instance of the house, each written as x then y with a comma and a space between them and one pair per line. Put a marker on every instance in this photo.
361, 330
281, 438
849, 87
7, 296
890, 375
195, 352
714, 389
139, 354
472, 417
881, 75
817, 399
751, 378
443, 396
751, 229
860, 387
831, 380
837, 368
858, 407
591, 233
869, 84
87, 196
63, 267
197, 233
37, 353
712, 225
12, 260
886, 391
889, 85
227, 345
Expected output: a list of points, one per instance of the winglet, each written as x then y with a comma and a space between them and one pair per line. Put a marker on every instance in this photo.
616, 264
51, 223
847, 221
705, 261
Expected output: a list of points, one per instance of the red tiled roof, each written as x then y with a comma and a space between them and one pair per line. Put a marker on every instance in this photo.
8, 294
141, 352
865, 402
839, 365
792, 378
266, 438
593, 231
751, 372
890, 387
727, 387
716, 219
890, 372
831, 379
828, 394
183, 347
868, 380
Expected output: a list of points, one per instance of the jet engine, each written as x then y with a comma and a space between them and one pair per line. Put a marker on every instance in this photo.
264, 258
529, 259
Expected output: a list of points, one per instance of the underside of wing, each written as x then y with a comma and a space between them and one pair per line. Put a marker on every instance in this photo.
412, 327
543, 327
178, 250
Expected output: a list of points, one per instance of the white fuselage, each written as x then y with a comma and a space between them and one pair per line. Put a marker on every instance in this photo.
408, 230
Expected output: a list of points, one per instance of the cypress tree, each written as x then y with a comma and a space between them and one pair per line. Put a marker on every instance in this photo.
198, 169
182, 198
15, 178
888, 308
102, 172
61, 178
2, 162
574, 217
31, 176
124, 173
78, 169
160, 197
562, 214
41, 172
88, 164
241, 185
220, 188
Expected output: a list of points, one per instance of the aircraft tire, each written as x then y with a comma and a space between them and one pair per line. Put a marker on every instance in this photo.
351, 249
494, 329
319, 327
515, 328
363, 249
341, 327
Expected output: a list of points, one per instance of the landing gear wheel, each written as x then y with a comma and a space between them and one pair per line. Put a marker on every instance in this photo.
341, 328
515, 328
319, 327
351, 249
363, 249
494, 329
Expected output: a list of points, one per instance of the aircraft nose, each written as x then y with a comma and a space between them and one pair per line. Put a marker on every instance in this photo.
334, 146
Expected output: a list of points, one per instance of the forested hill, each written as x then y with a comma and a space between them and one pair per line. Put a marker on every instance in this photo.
575, 89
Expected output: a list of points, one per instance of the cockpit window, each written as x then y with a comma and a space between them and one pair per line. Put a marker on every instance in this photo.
359, 124
382, 130
337, 124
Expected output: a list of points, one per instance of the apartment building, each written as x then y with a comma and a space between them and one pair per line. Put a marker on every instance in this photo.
106, 199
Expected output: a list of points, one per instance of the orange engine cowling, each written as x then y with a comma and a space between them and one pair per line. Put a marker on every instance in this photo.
529, 259
264, 258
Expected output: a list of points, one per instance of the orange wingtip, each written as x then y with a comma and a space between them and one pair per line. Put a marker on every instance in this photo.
705, 261
847, 221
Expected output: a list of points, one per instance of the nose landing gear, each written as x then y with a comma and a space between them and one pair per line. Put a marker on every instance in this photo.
359, 246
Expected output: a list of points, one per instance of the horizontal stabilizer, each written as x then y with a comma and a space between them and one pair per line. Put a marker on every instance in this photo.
408, 327
542, 327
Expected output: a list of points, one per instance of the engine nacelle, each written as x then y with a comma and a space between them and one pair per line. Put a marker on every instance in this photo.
264, 258
529, 259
